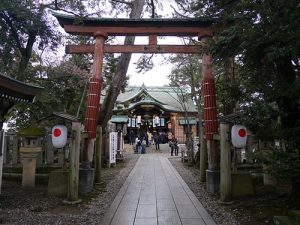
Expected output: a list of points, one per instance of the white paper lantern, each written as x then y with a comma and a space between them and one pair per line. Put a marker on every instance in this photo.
59, 136
239, 136
139, 119
157, 122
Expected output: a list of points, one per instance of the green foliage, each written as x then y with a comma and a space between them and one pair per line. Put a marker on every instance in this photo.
23, 25
63, 89
32, 130
264, 39
286, 164
263, 36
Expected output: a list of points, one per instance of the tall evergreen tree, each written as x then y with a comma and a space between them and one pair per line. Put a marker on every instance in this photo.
263, 37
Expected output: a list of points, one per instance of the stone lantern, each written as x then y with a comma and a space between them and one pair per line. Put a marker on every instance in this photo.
29, 152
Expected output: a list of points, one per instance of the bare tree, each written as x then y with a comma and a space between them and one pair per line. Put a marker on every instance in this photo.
119, 78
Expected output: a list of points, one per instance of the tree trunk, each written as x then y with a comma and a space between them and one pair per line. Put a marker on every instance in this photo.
26, 55
119, 77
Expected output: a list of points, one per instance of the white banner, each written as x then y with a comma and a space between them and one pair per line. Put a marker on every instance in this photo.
162, 122
113, 145
133, 122
129, 122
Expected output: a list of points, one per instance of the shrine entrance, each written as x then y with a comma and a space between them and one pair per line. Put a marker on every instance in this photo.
101, 28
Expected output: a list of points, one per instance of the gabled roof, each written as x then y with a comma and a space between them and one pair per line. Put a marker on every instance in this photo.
61, 116
17, 91
164, 97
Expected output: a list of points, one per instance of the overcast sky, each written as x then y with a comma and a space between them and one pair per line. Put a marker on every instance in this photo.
156, 76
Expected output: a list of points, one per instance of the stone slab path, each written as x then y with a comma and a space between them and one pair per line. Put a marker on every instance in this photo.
155, 194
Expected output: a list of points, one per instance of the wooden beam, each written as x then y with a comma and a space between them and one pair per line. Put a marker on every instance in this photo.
139, 31
153, 40
160, 49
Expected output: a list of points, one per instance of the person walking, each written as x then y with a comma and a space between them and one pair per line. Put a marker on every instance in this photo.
143, 145
137, 145
131, 137
149, 135
173, 145
156, 141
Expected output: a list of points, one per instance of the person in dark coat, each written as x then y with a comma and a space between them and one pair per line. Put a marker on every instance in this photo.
174, 146
156, 141
131, 137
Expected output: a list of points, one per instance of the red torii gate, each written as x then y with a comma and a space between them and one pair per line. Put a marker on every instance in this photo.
101, 28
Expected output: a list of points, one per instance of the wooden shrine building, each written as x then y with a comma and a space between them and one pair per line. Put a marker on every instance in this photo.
155, 109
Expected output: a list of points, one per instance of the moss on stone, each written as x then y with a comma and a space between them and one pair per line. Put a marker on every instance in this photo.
31, 131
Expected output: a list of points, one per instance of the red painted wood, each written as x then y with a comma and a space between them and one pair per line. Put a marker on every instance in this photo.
159, 49
210, 110
94, 93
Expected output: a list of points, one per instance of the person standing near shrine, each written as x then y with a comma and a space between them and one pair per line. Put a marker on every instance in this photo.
149, 135
156, 141
173, 145
131, 137
143, 146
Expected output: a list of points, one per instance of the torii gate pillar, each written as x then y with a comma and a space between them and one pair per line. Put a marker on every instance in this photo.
210, 120
93, 98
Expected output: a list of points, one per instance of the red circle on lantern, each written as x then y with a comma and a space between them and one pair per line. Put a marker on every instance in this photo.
242, 132
56, 132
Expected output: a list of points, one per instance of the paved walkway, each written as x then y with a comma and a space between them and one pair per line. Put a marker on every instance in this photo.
155, 194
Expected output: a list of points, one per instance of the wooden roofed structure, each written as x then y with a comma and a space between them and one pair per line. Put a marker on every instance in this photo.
13, 91
159, 109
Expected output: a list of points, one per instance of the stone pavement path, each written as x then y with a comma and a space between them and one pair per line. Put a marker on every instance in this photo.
155, 194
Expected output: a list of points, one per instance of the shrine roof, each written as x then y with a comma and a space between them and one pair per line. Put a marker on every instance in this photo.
165, 97
65, 19
15, 90
119, 119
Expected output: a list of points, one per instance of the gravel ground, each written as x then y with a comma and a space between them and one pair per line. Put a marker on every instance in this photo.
21, 207
221, 214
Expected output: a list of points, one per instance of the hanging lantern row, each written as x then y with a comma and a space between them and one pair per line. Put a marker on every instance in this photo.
137, 122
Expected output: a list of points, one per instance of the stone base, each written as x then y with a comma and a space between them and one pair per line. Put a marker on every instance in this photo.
67, 202
86, 180
212, 181
241, 184
58, 183
28, 159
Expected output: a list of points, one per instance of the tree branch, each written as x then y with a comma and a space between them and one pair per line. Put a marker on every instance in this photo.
152, 9
14, 32
123, 2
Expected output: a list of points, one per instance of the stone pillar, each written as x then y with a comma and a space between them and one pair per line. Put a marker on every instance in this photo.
225, 182
5, 148
15, 150
98, 156
49, 150
74, 163
210, 120
28, 159
203, 158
